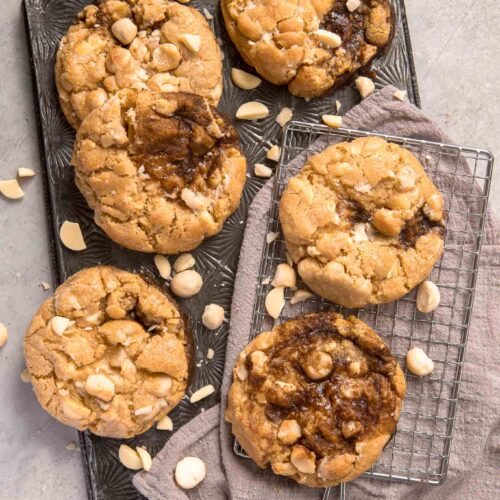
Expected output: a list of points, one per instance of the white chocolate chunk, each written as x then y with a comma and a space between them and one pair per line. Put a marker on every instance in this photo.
190, 472
252, 110
145, 458
71, 236
129, 457
59, 324
428, 297
11, 189
143, 410
100, 386
194, 200
284, 276
124, 30
184, 262
163, 266
25, 376
202, 393
275, 301
25, 172
418, 362
328, 38
186, 284
244, 80
273, 153
213, 316
165, 424
4, 336
192, 42
400, 94
261, 170
352, 5
74, 410
300, 296
271, 236
365, 86
334, 121
284, 116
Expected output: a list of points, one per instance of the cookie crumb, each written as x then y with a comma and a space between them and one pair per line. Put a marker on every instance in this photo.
210, 353
71, 446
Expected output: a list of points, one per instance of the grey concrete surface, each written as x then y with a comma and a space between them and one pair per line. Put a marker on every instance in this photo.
456, 50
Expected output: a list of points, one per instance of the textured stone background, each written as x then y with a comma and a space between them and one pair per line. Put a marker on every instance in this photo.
456, 49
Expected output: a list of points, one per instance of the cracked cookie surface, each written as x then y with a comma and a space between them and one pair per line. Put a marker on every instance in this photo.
162, 171
317, 398
280, 39
122, 362
92, 64
363, 222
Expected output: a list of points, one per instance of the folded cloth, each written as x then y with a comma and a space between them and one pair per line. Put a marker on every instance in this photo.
475, 454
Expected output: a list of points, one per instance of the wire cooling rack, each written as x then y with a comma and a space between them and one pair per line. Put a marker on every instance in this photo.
419, 450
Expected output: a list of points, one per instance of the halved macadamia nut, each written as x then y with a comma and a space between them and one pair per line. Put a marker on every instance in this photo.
183, 262
129, 457
252, 110
11, 189
334, 121
275, 301
365, 86
192, 42
163, 266
244, 80
289, 432
71, 236
124, 30
418, 362
285, 276
317, 364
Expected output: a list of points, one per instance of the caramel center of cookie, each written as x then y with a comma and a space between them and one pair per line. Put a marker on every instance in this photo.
335, 391
181, 145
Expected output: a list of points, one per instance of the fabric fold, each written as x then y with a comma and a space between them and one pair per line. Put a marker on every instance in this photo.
474, 458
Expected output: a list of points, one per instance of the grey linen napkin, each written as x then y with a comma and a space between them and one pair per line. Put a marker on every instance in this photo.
475, 457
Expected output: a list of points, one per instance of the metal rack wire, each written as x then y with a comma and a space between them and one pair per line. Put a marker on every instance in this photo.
420, 448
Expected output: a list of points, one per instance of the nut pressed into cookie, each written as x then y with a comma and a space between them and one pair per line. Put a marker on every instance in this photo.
162, 171
317, 398
108, 352
363, 222
311, 46
135, 44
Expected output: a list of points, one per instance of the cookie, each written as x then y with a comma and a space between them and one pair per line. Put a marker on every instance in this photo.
108, 352
146, 49
363, 222
317, 398
162, 171
311, 46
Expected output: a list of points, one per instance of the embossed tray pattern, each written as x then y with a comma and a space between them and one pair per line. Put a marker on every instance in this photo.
217, 257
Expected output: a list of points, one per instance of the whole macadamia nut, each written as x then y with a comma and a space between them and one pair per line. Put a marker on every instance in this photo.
186, 284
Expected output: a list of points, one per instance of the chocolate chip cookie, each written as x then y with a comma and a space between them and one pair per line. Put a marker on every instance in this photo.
162, 171
363, 222
108, 352
135, 44
317, 398
311, 46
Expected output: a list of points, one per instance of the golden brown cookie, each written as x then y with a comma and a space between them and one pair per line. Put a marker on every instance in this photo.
311, 46
162, 171
109, 352
317, 398
363, 222
135, 44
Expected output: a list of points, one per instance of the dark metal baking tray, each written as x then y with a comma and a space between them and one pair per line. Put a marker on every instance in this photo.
217, 258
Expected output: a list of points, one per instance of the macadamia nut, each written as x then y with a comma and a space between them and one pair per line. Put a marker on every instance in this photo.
100, 386
428, 297
190, 472
183, 262
213, 316
285, 276
275, 301
252, 110
124, 30
244, 80
186, 284
418, 362
129, 457
365, 86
